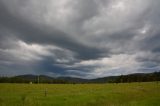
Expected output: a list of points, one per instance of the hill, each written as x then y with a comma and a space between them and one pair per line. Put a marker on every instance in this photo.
137, 77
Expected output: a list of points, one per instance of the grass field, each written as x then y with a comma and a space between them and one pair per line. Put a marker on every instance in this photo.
126, 94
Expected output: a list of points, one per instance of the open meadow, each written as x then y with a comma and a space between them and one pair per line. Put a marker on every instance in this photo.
123, 94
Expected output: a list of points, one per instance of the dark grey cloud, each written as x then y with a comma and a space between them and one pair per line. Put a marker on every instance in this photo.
86, 38
44, 35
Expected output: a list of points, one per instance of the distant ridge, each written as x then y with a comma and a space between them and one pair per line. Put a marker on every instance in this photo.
34, 77
136, 77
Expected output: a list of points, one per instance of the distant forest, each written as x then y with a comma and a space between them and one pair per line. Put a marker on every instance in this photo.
137, 77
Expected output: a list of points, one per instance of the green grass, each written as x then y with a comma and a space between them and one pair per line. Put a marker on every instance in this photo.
127, 94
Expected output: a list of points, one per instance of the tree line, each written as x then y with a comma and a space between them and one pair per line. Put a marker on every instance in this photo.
138, 78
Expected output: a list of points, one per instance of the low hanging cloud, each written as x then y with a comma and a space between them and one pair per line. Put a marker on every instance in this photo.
81, 38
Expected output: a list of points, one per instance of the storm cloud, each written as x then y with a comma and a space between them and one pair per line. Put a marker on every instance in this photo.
79, 38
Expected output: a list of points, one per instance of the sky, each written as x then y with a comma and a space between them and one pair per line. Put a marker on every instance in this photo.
79, 38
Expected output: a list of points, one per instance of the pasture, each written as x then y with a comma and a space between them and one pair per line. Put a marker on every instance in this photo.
123, 94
